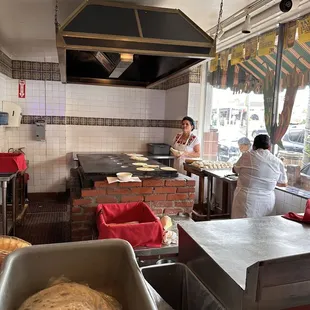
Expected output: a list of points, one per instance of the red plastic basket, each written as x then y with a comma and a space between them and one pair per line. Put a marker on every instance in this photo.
12, 162
114, 221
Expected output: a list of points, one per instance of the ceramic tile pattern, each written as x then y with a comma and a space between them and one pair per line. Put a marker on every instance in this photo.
82, 117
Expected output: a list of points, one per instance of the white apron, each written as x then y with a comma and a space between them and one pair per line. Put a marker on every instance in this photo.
179, 161
252, 203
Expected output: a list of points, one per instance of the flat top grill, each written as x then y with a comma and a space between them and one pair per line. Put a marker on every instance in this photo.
110, 164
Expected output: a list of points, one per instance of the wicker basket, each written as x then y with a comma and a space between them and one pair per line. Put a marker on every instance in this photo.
9, 244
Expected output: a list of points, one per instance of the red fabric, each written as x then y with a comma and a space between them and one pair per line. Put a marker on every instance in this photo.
12, 162
300, 218
148, 232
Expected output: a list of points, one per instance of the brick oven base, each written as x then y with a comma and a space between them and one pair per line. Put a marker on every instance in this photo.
164, 196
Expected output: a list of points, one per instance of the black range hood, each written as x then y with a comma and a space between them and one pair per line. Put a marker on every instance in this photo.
113, 43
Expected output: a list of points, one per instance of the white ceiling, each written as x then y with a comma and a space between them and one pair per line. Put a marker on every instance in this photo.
27, 26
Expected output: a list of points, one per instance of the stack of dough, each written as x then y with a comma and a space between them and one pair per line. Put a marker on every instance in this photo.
212, 165
70, 296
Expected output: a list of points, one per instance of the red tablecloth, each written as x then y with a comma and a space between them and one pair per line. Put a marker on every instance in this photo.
113, 221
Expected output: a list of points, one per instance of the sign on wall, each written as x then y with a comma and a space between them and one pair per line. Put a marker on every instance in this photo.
250, 48
22, 89
304, 29
266, 43
237, 54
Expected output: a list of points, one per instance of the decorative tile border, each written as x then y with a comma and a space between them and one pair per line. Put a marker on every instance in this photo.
49, 71
95, 121
192, 76
33, 70
5, 64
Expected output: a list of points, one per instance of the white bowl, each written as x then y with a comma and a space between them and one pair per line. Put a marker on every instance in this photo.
124, 176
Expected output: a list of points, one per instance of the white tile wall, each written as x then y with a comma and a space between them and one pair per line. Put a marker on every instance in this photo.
193, 101
49, 165
42, 97
115, 102
176, 108
177, 102
286, 202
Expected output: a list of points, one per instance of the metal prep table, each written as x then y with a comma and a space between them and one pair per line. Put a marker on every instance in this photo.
210, 175
6, 225
250, 263
168, 251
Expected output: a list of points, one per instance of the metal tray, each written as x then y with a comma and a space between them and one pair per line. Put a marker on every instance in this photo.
107, 265
180, 288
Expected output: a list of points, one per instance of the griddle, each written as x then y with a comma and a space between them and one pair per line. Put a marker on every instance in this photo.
109, 164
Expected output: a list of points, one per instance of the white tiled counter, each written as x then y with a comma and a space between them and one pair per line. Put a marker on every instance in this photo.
290, 199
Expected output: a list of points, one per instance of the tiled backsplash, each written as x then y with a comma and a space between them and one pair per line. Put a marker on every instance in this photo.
128, 120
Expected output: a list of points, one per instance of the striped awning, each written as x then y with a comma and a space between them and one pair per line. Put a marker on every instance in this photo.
253, 71
298, 56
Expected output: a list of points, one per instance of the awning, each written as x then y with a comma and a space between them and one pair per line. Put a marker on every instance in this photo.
253, 71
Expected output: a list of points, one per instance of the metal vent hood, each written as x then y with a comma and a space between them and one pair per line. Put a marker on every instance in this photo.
114, 43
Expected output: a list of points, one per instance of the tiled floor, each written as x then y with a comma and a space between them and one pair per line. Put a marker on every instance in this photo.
47, 220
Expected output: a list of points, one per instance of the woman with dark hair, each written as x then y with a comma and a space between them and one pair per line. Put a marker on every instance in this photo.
185, 144
259, 173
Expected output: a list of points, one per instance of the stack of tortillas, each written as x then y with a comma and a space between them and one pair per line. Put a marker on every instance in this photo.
70, 296
9, 244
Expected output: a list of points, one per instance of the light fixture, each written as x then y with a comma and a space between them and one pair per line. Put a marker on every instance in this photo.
125, 60
247, 24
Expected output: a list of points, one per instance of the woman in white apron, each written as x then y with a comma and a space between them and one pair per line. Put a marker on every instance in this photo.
186, 145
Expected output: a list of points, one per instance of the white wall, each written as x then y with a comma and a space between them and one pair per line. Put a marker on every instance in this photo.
193, 101
176, 108
49, 163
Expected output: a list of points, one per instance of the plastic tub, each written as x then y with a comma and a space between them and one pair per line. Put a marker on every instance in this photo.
158, 148
107, 265
180, 288
12, 162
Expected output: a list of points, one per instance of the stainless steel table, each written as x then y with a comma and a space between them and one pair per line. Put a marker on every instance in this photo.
251, 257
4, 179
237, 244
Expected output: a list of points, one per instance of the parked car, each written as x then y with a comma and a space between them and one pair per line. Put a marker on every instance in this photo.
293, 140
228, 150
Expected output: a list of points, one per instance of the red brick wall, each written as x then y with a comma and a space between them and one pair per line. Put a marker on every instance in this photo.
164, 196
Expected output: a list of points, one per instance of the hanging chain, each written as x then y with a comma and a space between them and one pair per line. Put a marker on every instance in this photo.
219, 21
56, 16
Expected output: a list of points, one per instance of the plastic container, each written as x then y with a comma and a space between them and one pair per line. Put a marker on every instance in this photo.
12, 162
134, 222
180, 288
4, 118
107, 265
158, 148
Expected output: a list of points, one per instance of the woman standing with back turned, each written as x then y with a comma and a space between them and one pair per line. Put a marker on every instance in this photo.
259, 173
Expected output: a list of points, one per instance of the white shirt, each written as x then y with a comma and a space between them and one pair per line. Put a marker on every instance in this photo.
260, 170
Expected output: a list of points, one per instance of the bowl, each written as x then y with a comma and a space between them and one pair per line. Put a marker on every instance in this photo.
124, 176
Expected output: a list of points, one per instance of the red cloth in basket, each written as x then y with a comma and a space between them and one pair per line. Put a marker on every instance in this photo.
12, 162
148, 232
300, 218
